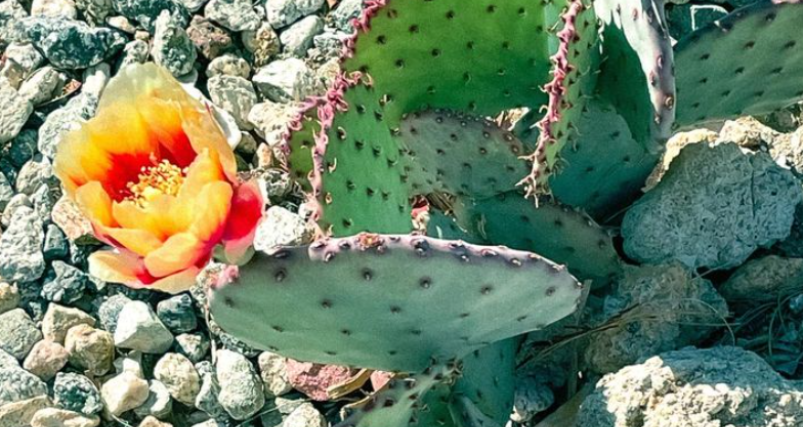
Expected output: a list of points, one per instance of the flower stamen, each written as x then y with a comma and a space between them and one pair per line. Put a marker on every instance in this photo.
164, 178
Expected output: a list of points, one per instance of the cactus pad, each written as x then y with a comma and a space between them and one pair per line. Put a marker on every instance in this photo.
488, 380
574, 76
466, 414
459, 154
442, 226
606, 169
370, 311
747, 63
357, 164
300, 141
479, 56
560, 233
401, 402
636, 71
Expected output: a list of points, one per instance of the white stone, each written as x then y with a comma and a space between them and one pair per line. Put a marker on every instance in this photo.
124, 392
138, 328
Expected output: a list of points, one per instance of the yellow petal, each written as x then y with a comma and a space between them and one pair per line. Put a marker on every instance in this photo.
128, 269
105, 131
204, 170
95, 203
179, 252
212, 207
115, 267
130, 215
205, 134
79, 162
140, 242
176, 283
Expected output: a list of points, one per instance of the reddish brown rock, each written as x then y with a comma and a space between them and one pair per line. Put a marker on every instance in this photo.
313, 379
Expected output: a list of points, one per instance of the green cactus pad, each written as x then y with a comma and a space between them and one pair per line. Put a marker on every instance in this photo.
459, 154
574, 76
402, 401
636, 70
606, 169
560, 233
466, 414
479, 56
300, 140
390, 302
747, 63
488, 380
485, 385
357, 179
442, 226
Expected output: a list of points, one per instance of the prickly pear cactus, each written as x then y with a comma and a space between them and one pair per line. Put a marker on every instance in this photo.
747, 63
402, 402
574, 76
374, 313
636, 73
606, 168
357, 164
479, 56
632, 80
459, 154
557, 232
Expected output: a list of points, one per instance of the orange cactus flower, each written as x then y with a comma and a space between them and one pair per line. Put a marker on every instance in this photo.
154, 174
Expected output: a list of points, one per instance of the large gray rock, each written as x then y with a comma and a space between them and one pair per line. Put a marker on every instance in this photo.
298, 37
270, 119
761, 280
281, 13
660, 308
721, 386
236, 15
10, 12
241, 393
18, 333
713, 208
235, 95
138, 328
77, 393
147, 11
345, 12
178, 374
6, 191
178, 313
281, 227
66, 285
14, 112
33, 174
21, 256
286, 80
172, 47
159, 403
71, 44
17, 385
